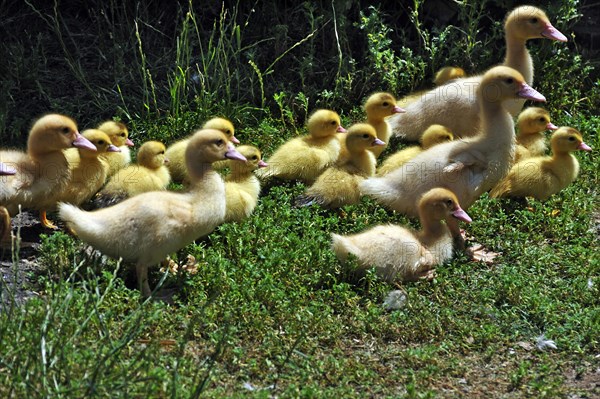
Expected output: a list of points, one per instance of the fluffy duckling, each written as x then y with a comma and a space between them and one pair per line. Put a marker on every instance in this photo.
378, 107
43, 171
119, 136
305, 158
241, 186
149, 174
454, 104
446, 74
90, 172
434, 135
398, 253
146, 228
176, 151
338, 185
541, 177
467, 167
531, 124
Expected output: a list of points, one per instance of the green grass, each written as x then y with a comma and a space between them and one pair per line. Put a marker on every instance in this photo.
270, 311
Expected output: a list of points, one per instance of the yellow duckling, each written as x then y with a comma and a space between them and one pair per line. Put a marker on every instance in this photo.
446, 74
338, 185
378, 107
90, 172
400, 254
149, 174
530, 140
176, 151
541, 177
241, 186
119, 136
42, 173
434, 135
454, 104
146, 228
305, 158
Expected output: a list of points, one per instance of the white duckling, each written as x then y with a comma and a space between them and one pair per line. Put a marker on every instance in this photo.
305, 158
90, 172
433, 135
42, 173
531, 123
338, 185
149, 174
146, 228
241, 186
400, 254
454, 104
176, 152
119, 137
541, 177
468, 167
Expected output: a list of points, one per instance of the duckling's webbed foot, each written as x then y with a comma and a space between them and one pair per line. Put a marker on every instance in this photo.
45, 222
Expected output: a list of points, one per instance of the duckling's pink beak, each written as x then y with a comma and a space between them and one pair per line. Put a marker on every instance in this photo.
398, 110
377, 142
262, 164
129, 143
530, 93
552, 33
234, 140
461, 215
551, 126
584, 147
340, 129
82, 142
232, 153
7, 170
113, 148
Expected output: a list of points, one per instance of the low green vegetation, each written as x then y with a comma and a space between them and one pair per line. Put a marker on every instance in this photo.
264, 309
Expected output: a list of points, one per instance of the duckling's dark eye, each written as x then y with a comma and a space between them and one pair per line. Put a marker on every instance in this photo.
101, 142
449, 202
385, 104
65, 130
220, 142
122, 134
365, 136
161, 152
534, 20
333, 123
571, 138
255, 157
509, 80
542, 120
228, 132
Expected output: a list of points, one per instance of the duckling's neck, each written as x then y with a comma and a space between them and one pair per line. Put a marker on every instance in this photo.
202, 175
432, 229
517, 57
239, 174
380, 126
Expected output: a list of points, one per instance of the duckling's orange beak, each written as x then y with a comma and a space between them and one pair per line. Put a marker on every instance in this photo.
7, 170
113, 148
398, 110
262, 164
551, 126
234, 140
377, 142
82, 142
584, 147
232, 153
460, 214
340, 129
552, 33
530, 93
129, 143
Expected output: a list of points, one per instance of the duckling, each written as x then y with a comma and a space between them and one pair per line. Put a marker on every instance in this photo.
119, 136
541, 177
176, 151
338, 185
89, 174
305, 158
146, 228
530, 139
454, 104
241, 186
5, 229
43, 171
446, 74
434, 135
398, 253
468, 167
149, 174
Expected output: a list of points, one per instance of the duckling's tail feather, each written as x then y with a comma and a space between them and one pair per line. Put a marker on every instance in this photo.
77, 219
